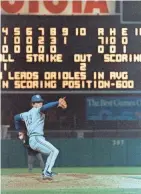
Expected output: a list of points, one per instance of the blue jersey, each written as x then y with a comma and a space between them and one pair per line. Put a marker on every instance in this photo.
34, 119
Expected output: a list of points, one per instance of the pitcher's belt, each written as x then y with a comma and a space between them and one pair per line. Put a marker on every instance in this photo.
35, 135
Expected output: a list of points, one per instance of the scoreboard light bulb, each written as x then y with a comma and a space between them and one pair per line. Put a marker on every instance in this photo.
5, 66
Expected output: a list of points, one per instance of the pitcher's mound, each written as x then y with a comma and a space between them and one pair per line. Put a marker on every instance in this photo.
69, 180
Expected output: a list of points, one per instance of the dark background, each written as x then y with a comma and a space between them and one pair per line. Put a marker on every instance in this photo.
71, 119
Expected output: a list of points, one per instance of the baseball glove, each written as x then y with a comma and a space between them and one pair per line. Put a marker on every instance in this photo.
62, 103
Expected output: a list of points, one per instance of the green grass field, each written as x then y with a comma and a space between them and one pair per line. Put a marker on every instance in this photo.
76, 180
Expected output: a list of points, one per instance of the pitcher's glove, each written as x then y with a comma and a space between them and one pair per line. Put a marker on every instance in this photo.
62, 103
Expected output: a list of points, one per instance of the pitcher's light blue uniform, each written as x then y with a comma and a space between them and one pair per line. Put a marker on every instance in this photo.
34, 121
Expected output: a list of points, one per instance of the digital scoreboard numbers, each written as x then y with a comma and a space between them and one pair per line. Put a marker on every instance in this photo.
63, 53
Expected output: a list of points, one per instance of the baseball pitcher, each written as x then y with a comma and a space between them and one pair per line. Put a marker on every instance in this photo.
34, 120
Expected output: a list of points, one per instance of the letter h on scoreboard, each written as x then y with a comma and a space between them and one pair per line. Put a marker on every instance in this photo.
130, 12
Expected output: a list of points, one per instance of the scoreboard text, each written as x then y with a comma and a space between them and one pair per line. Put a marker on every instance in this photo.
69, 52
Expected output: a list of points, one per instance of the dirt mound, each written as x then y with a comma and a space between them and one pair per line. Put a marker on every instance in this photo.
68, 180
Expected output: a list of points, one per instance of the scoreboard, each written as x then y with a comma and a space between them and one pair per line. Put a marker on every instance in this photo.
70, 54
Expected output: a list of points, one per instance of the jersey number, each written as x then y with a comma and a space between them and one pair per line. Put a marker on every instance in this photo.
29, 120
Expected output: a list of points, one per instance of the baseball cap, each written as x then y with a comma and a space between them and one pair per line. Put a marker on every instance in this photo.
36, 98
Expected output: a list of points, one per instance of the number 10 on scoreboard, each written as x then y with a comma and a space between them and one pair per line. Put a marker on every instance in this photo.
80, 32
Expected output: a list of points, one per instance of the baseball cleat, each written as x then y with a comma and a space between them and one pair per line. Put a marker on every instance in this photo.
54, 173
47, 176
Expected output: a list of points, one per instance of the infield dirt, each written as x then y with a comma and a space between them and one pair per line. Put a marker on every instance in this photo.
69, 180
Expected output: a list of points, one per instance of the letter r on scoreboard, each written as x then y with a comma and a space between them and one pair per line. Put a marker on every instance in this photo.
130, 12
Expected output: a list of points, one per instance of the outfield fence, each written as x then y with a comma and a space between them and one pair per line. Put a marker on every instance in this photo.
79, 152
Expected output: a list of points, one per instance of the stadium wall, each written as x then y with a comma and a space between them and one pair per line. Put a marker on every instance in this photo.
78, 152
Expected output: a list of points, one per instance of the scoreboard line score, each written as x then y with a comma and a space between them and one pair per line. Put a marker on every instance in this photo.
61, 53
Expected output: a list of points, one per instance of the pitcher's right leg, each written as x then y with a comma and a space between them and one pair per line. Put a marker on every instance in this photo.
45, 147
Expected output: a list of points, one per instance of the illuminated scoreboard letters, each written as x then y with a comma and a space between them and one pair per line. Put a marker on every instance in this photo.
60, 53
